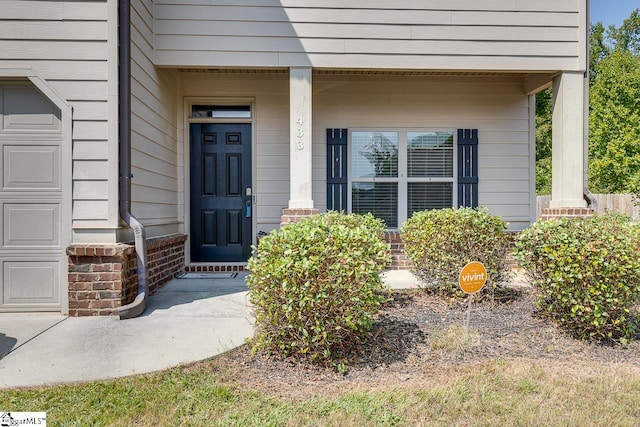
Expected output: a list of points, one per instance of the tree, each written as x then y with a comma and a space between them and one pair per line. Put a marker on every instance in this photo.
543, 141
615, 124
614, 119
627, 37
598, 49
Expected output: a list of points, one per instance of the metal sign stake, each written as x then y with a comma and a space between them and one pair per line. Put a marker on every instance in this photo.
466, 330
472, 278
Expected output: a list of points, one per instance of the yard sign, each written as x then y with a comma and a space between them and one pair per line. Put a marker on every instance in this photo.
472, 278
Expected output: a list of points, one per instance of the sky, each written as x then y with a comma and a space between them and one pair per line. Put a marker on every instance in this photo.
612, 11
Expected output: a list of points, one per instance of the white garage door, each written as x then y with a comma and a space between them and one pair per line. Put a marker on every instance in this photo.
32, 254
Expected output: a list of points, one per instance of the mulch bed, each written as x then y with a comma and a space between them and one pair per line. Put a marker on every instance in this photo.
418, 335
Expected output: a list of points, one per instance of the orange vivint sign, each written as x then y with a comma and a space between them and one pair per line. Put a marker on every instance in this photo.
473, 277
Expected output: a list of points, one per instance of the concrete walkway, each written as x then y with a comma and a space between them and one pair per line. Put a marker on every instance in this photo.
185, 321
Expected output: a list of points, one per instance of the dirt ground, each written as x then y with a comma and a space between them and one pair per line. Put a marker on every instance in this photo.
418, 336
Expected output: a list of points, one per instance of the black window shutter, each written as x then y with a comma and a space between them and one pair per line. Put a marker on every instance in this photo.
337, 169
468, 168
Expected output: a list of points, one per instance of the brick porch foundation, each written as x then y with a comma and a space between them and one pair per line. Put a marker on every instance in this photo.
214, 268
557, 213
294, 215
103, 278
399, 260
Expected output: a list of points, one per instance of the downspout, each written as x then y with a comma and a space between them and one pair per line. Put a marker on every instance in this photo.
135, 308
588, 196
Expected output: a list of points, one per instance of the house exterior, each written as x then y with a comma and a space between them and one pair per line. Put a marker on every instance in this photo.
247, 114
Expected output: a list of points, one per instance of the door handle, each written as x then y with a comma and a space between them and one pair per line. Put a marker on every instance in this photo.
247, 209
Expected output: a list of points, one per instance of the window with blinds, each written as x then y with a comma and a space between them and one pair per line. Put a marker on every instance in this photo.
429, 195
374, 175
374, 154
395, 173
430, 154
379, 198
429, 171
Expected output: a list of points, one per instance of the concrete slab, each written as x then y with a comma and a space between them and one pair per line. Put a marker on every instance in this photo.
404, 279
184, 322
83, 349
18, 328
400, 279
215, 287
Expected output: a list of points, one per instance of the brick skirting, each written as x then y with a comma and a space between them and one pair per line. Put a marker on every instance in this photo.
214, 268
103, 278
399, 260
294, 215
557, 213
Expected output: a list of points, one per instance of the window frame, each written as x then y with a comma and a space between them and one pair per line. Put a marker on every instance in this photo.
403, 178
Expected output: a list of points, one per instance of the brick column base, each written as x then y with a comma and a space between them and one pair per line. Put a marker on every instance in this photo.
294, 215
103, 278
557, 213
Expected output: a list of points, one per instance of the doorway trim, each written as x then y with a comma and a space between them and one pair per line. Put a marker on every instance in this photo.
189, 101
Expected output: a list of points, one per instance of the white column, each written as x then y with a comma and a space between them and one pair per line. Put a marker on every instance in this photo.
567, 141
300, 163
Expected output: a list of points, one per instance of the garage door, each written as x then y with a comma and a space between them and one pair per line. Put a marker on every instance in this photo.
32, 254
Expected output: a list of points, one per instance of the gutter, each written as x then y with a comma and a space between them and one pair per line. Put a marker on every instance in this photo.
124, 137
586, 194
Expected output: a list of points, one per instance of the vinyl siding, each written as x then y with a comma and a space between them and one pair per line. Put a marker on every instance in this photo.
515, 35
66, 43
154, 185
496, 106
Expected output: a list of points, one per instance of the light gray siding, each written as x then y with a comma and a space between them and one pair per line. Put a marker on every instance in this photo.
496, 106
66, 42
515, 35
154, 130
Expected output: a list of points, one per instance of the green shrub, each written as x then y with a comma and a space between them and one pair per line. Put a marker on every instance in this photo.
587, 271
441, 242
315, 286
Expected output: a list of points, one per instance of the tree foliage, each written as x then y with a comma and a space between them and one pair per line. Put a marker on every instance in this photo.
598, 49
614, 125
543, 141
627, 37
614, 128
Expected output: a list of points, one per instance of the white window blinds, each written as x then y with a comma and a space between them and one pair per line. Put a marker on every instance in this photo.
430, 154
394, 173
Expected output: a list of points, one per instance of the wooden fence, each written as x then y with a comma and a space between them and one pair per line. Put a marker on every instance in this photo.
606, 202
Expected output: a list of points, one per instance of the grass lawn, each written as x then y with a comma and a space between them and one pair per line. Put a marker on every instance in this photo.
494, 392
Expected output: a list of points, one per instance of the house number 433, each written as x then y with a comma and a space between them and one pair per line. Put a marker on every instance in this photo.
300, 133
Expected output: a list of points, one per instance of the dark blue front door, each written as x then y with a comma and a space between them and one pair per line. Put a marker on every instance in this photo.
220, 192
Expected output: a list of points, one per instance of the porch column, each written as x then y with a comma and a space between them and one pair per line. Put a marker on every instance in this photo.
568, 132
300, 152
